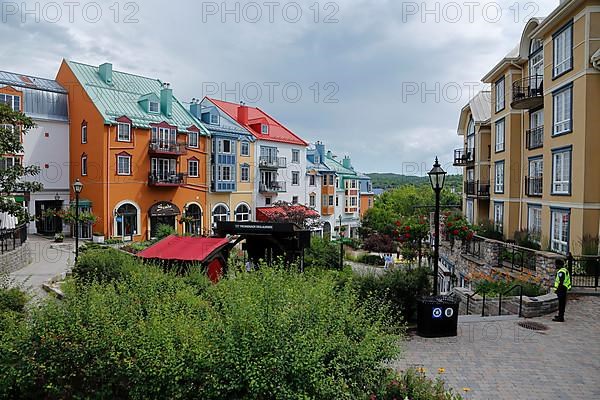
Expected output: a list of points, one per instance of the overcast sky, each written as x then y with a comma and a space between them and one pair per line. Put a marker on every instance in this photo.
382, 81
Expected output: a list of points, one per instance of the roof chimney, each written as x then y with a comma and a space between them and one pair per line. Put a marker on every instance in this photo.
196, 108
166, 99
320, 147
242, 113
105, 71
346, 162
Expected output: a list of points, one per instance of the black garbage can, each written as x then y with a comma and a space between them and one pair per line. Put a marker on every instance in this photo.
437, 316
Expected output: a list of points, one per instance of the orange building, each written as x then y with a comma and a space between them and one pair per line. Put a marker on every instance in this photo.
140, 154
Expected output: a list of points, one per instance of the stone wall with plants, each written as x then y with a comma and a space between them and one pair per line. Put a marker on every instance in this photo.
15, 259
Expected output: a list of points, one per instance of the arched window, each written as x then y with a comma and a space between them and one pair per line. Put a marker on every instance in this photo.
193, 224
471, 135
220, 213
242, 213
536, 60
126, 220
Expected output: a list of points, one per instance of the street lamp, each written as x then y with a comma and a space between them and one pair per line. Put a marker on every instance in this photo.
341, 245
437, 176
57, 197
77, 188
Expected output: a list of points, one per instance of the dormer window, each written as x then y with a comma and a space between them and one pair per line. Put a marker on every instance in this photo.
214, 119
153, 107
264, 129
123, 132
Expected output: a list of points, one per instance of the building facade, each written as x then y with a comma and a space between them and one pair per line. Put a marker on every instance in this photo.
45, 146
140, 154
544, 172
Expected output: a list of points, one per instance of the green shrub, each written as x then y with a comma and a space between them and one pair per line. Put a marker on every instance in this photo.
162, 231
12, 299
102, 265
398, 288
322, 254
271, 334
371, 259
487, 229
414, 385
528, 240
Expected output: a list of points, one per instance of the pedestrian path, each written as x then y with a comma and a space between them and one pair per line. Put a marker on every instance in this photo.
49, 259
499, 360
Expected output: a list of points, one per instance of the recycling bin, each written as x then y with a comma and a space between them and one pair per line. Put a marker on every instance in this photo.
437, 316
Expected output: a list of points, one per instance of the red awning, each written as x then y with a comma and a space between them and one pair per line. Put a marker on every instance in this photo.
264, 214
180, 248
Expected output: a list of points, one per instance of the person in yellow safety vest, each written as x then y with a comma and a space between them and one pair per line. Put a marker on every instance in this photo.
562, 284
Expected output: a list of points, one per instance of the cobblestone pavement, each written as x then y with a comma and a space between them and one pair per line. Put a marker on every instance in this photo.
500, 360
49, 259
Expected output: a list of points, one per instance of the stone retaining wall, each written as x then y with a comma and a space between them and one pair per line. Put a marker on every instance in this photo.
531, 307
15, 259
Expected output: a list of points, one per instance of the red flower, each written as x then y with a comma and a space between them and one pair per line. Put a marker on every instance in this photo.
455, 232
407, 236
449, 225
397, 223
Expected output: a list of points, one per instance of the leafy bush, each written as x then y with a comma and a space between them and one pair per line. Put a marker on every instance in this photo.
102, 264
487, 229
499, 283
162, 231
322, 254
271, 334
414, 385
399, 289
528, 240
371, 259
379, 243
12, 299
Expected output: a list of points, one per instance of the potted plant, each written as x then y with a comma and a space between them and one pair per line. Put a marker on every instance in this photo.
98, 237
59, 237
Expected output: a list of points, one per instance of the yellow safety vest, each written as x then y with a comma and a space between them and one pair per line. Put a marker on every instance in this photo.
566, 282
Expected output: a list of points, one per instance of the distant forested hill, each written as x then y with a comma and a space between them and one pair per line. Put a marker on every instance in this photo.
390, 181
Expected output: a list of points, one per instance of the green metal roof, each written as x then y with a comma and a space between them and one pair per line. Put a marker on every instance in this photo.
337, 167
122, 97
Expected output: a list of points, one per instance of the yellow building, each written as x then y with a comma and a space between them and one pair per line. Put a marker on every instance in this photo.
544, 130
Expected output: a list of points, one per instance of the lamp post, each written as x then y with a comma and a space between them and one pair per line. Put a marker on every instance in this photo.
437, 176
341, 245
77, 188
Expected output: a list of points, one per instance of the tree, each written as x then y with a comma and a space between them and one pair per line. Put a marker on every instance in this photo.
12, 124
297, 214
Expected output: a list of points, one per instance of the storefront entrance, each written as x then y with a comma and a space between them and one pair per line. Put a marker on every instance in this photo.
162, 213
47, 224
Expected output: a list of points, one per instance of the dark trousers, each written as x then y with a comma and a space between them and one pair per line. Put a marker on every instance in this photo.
562, 303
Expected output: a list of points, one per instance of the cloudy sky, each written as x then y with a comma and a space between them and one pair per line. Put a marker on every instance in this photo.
380, 80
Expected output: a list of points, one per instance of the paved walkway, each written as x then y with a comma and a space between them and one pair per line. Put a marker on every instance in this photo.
500, 360
49, 259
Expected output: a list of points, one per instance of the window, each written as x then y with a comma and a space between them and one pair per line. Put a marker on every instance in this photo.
245, 173
337, 201
8, 162
244, 149
295, 178
220, 213
312, 201
499, 177
534, 183
536, 58
500, 131
268, 201
563, 50
264, 129
559, 232
194, 225
224, 173
226, 146
469, 211
294, 199
471, 136
498, 216
123, 132
500, 94
214, 119
124, 164
561, 171
153, 107
84, 165
296, 156
192, 139
562, 109
242, 213
13, 102
534, 222
330, 202
83, 133
193, 168
126, 220
311, 180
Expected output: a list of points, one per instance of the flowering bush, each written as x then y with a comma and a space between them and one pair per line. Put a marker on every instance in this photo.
414, 385
412, 229
69, 215
456, 226
499, 282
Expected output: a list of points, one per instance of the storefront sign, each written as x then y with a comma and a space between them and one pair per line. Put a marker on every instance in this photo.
164, 209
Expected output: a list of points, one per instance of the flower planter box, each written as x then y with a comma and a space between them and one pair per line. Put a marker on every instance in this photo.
98, 238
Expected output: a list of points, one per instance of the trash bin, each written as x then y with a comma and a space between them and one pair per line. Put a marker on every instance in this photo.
437, 316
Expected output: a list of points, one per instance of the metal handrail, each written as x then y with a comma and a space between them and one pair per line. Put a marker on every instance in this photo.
520, 299
482, 305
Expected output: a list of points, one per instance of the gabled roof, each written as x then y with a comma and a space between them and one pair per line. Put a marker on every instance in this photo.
480, 107
122, 98
277, 132
181, 248
337, 167
31, 82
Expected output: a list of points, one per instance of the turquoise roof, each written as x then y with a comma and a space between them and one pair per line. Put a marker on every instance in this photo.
337, 167
122, 97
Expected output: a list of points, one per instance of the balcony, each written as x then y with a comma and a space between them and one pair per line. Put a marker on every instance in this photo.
528, 93
534, 186
477, 189
267, 162
167, 148
535, 138
272, 187
166, 180
463, 157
